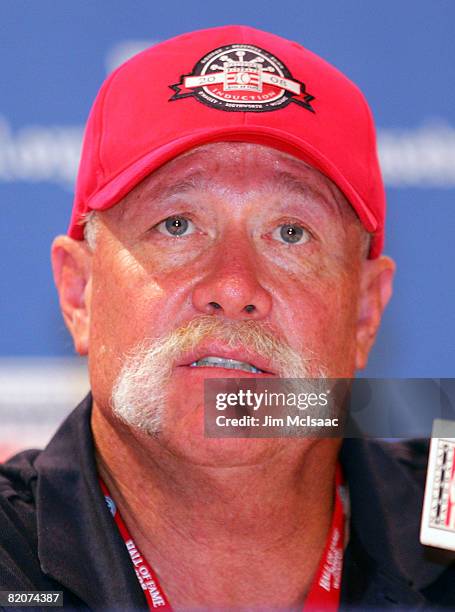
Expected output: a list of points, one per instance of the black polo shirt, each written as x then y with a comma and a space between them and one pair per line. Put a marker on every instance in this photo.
56, 532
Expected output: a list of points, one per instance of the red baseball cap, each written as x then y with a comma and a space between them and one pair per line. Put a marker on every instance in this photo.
231, 83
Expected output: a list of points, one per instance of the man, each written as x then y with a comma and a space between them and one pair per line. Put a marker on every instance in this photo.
228, 221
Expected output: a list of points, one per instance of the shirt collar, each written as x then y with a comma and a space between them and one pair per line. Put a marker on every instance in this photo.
78, 544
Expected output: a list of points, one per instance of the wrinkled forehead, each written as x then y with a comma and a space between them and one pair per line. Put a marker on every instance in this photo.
233, 169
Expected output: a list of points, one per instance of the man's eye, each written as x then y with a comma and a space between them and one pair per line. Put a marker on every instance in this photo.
291, 233
176, 226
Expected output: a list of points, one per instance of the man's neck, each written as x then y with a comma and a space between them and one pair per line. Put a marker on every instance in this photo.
250, 535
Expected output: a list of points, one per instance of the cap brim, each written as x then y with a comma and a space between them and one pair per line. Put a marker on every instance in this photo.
125, 181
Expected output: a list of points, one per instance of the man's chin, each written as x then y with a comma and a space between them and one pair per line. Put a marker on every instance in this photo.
220, 452
182, 434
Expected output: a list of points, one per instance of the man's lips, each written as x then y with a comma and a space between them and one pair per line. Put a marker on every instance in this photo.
220, 350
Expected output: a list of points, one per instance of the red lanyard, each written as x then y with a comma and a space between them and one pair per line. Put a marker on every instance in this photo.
324, 593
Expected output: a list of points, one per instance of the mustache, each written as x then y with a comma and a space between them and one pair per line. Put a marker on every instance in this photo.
260, 337
140, 392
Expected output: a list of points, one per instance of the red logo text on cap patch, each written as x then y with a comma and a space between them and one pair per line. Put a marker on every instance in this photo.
242, 78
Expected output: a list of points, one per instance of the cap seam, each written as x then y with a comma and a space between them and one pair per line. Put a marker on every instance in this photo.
102, 122
371, 148
373, 161
106, 90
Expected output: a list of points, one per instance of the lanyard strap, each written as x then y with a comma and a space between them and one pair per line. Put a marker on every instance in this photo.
324, 593
148, 580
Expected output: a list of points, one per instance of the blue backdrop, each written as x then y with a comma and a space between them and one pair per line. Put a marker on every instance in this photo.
400, 52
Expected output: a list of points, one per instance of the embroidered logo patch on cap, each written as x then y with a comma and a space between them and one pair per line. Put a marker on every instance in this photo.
242, 77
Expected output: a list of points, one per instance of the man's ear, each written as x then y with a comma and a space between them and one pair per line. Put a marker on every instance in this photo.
71, 264
375, 292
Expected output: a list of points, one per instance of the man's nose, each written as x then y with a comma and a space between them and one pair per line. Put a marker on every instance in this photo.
231, 287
